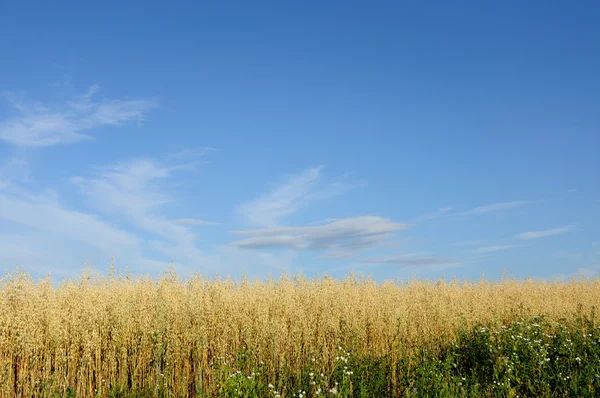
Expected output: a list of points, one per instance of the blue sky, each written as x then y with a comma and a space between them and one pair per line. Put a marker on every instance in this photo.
395, 139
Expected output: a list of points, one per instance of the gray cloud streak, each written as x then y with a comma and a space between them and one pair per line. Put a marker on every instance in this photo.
349, 234
405, 261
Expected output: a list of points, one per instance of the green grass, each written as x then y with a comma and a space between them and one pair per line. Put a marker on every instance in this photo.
528, 358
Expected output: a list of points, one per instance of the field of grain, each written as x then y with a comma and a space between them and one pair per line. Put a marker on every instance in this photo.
120, 335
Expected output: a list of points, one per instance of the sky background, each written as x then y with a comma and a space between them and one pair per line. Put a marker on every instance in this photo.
395, 139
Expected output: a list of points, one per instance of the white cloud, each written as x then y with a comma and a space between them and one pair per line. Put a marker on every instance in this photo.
41, 252
296, 192
545, 233
38, 125
283, 200
20, 250
45, 214
491, 249
350, 235
135, 191
494, 207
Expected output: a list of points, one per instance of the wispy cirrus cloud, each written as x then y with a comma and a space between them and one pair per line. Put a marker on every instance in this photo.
14, 170
349, 235
441, 212
296, 192
445, 211
545, 233
42, 125
491, 249
495, 207
134, 190
44, 216
337, 238
59, 239
44, 213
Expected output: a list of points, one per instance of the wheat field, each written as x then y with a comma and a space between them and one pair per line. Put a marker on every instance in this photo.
94, 333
